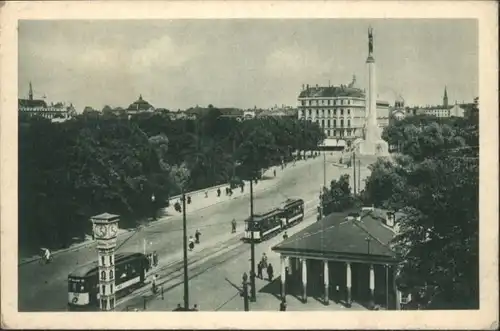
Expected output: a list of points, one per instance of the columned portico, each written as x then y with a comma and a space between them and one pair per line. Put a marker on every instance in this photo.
326, 277
304, 280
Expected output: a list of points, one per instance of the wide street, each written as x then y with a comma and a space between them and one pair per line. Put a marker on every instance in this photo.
44, 287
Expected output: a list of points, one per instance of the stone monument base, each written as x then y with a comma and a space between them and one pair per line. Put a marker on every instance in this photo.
375, 148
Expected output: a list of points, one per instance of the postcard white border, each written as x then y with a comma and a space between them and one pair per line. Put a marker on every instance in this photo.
483, 11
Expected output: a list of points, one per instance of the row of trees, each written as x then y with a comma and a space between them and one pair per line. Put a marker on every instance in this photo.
99, 162
434, 181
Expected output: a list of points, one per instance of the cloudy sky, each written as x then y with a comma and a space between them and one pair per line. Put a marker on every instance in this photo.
182, 63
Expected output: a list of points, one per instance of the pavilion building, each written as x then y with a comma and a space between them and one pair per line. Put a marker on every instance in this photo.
345, 257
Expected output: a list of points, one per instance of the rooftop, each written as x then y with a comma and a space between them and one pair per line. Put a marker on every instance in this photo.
140, 104
336, 234
331, 91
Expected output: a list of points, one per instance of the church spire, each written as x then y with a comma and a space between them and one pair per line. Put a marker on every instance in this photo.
445, 98
30, 95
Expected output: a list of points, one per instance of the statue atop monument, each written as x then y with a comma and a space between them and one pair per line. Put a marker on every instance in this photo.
370, 40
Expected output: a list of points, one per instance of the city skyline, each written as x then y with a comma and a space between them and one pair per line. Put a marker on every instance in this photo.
177, 64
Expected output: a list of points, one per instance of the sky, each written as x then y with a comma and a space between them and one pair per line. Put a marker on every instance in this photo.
177, 64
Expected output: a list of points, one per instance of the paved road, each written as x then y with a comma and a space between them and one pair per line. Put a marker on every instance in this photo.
44, 288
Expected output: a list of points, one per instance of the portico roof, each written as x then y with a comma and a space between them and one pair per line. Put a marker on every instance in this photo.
338, 236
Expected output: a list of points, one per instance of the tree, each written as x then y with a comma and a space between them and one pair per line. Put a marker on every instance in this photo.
338, 197
435, 184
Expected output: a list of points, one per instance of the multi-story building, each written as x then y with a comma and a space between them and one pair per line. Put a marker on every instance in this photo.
339, 110
443, 110
36, 107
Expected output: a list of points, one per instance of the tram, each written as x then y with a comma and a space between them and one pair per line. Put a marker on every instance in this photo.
270, 223
293, 211
83, 282
264, 225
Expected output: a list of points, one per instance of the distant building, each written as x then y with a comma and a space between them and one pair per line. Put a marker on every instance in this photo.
442, 111
139, 106
279, 113
36, 107
339, 110
398, 112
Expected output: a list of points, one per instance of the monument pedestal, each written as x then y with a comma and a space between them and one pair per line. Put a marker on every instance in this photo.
374, 147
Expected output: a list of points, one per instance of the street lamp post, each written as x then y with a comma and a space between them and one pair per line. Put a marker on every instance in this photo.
153, 199
184, 230
252, 248
245, 292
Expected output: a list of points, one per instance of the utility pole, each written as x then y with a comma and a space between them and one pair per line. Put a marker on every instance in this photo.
354, 171
359, 175
252, 248
245, 292
324, 168
184, 229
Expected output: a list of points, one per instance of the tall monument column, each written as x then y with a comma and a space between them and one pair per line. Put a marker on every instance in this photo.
105, 228
372, 143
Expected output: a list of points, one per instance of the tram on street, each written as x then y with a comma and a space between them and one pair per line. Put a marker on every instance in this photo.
264, 225
293, 211
270, 223
83, 282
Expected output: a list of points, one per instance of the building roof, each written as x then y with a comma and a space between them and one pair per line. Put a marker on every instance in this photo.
33, 103
337, 235
105, 216
332, 91
140, 104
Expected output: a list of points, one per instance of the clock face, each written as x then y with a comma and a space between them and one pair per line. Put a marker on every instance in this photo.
114, 229
100, 231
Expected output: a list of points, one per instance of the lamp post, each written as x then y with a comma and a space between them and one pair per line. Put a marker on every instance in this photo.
252, 248
184, 231
105, 229
153, 199
245, 292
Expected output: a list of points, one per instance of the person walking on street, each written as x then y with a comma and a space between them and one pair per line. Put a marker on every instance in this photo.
259, 269
155, 259
206, 194
153, 284
274, 172
264, 260
233, 226
270, 272
197, 236
285, 236
282, 305
218, 192
191, 243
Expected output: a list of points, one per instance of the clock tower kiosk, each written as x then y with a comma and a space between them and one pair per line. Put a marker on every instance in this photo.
105, 229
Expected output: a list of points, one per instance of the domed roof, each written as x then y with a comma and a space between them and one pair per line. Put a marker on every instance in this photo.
140, 104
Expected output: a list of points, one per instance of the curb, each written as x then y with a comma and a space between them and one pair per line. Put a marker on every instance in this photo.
158, 222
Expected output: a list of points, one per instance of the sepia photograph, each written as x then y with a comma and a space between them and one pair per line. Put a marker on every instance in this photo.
248, 164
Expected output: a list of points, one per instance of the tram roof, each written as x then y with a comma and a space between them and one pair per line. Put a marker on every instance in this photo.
85, 269
271, 212
291, 201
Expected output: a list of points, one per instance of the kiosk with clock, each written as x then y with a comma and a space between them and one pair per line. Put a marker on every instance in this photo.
105, 229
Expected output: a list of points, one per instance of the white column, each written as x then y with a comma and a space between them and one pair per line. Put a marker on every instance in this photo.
348, 283
304, 280
326, 277
283, 277
372, 284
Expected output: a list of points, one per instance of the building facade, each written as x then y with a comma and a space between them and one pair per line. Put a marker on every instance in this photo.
339, 110
36, 107
442, 111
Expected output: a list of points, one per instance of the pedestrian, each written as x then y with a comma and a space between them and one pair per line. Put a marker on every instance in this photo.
197, 236
259, 269
230, 192
283, 305
242, 186
233, 226
191, 243
218, 192
153, 284
155, 259
189, 199
274, 171
270, 272
285, 236
264, 260
195, 307
206, 194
